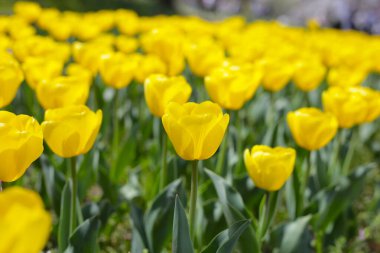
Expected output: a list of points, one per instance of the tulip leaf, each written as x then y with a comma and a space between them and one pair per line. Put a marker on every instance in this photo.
64, 218
234, 210
158, 220
84, 237
137, 217
225, 241
335, 199
181, 234
293, 237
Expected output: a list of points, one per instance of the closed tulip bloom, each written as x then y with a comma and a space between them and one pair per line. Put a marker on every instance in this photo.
347, 104
148, 65
276, 74
126, 44
232, 85
62, 91
27, 222
22, 144
39, 69
346, 76
71, 131
117, 70
11, 77
309, 74
78, 71
311, 128
160, 90
269, 168
372, 97
195, 130
27, 10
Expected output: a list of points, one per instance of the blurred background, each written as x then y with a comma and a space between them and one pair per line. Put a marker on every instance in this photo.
346, 14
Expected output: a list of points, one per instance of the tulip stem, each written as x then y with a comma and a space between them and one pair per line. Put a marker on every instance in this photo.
222, 155
305, 180
319, 242
115, 140
193, 196
164, 169
73, 195
350, 152
1, 186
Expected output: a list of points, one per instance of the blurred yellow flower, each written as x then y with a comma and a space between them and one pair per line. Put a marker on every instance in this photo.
277, 74
309, 74
346, 76
22, 144
126, 44
71, 131
195, 130
38, 69
28, 224
232, 85
351, 105
311, 128
117, 70
160, 90
27, 10
11, 77
62, 91
269, 168
148, 64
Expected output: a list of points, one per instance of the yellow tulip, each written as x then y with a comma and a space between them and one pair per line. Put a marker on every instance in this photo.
22, 144
203, 56
27, 10
160, 90
39, 69
351, 105
195, 130
232, 85
27, 223
309, 74
126, 44
127, 21
11, 77
277, 74
148, 65
117, 70
311, 128
62, 91
71, 131
269, 168
346, 76
78, 71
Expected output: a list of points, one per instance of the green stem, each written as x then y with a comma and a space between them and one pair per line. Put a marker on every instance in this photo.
304, 182
164, 169
351, 149
239, 139
306, 98
222, 155
1, 186
334, 161
319, 242
270, 212
193, 196
73, 195
115, 140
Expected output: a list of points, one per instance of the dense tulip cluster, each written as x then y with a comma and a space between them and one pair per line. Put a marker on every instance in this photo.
77, 67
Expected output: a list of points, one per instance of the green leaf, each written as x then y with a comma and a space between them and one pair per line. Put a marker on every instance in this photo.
64, 218
335, 199
292, 237
84, 237
181, 233
225, 241
234, 210
139, 225
158, 220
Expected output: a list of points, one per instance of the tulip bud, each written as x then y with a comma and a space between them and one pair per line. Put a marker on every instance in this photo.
232, 85
27, 223
62, 91
22, 144
195, 130
71, 131
11, 77
269, 168
311, 128
160, 90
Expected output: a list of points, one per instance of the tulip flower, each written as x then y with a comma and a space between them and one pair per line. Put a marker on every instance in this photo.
352, 106
37, 69
22, 144
160, 90
232, 85
27, 222
126, 44
11, 77
277, 74
117, 70
308, 74
311, 128
269, 168
148, 65
62, 91
195, 130
346, 76
27, 10
71, 131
